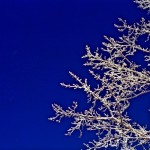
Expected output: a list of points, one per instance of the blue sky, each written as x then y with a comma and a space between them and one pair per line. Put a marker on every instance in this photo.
40, 41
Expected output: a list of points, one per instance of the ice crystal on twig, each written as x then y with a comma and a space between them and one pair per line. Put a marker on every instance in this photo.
144, 4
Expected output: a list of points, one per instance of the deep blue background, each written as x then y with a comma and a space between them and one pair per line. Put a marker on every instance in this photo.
40, 41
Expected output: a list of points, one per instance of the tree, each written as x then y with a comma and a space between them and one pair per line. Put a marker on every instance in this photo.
119, 81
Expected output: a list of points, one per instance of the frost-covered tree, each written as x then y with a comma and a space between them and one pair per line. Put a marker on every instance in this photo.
118, 81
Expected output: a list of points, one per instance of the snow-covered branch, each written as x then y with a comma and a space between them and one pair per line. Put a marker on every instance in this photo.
119, 80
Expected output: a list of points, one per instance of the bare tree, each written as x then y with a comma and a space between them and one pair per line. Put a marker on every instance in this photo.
119, 80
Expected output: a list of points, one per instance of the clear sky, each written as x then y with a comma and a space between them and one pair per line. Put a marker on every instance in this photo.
40, 41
